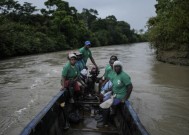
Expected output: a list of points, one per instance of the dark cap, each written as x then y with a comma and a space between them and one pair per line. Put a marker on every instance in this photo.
113, 57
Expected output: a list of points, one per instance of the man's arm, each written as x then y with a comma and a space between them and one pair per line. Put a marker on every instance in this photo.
82, 83
64, 74
92, 60
129, 90
62, 82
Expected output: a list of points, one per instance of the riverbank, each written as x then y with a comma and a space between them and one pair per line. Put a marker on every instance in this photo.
173, 57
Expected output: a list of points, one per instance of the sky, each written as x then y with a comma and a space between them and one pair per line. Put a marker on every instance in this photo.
134, 12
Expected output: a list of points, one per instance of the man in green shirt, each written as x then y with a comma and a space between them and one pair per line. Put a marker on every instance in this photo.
86, 52
106, 82
108, 76
70, 73
122, 85
69, 83
122, 88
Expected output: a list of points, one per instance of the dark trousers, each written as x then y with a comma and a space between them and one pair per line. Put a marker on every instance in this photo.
106, 116
110, 113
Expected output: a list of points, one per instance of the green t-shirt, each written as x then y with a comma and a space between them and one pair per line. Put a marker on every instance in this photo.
120, 82
86, 53
109, 72
70, 72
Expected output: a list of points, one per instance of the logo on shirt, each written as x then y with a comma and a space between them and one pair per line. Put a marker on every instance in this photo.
118, 82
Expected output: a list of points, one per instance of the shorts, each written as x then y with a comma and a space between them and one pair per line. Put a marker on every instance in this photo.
107, 96
106, 86
76, 85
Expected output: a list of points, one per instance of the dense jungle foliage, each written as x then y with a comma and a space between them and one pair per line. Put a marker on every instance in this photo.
24, 29
169, 30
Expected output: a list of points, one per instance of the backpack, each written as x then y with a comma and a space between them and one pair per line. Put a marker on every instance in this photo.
74, 116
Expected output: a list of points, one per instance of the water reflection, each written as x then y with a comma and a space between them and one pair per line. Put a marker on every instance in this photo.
172, 87
170, 75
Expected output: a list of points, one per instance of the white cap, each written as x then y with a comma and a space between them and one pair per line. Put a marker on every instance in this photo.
117, 63
72, 55
78, 53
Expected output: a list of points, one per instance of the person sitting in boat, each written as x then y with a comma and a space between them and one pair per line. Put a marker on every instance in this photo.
121, 89
80, 64
86, 52
70, 75
107, 77
108, 69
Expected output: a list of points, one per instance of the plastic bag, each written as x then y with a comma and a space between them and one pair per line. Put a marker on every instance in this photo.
106, 104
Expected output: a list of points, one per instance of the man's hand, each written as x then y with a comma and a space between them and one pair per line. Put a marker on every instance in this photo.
96, 67
123, 100
63, 89
101, 96
84, 85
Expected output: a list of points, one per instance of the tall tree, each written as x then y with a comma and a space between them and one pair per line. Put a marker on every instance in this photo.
89, 16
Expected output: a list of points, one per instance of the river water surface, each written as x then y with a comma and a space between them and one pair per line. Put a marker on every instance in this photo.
160, 95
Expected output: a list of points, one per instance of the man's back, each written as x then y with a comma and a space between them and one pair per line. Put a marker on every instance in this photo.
86, 53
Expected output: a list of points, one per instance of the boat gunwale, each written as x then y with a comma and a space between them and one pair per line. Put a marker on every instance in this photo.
30, 126
136, 118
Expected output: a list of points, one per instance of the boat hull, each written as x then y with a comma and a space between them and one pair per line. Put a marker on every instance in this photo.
51, 120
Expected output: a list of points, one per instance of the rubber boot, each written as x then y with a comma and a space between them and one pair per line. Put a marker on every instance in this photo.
105, 119
106, 115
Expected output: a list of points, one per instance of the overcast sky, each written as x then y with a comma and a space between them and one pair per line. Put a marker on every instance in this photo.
135, 12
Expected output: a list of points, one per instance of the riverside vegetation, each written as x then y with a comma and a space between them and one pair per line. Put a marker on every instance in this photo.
169, 31
24, 29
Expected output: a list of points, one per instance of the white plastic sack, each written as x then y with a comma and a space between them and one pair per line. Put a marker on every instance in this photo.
106, 104
84, 72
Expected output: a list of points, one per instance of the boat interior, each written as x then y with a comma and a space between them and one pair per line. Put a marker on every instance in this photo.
81, 117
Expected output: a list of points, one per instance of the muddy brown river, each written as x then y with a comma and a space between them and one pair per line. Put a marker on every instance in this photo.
160, 95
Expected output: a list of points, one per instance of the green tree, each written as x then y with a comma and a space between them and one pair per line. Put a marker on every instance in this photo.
24, 31
89, 16
168, 31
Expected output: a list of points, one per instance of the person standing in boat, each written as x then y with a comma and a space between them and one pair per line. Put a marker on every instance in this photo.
122, 88
86, 52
